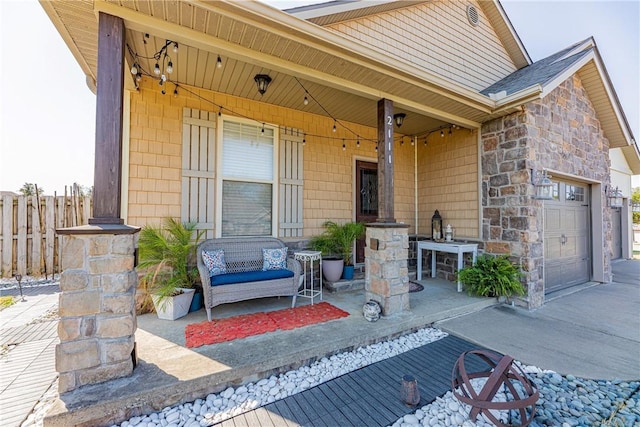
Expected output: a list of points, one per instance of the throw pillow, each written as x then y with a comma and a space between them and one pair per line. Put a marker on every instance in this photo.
274, 259
214, 260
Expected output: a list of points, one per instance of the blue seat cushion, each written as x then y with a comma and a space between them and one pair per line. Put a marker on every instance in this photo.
249, 276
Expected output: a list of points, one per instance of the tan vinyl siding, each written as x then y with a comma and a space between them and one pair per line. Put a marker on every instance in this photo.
448, 181
438, 37
155, 181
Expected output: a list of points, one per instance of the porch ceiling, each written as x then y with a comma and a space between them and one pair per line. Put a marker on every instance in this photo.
345, 77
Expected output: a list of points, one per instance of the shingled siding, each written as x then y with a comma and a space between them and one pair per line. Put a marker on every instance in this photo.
155, 152
560, 132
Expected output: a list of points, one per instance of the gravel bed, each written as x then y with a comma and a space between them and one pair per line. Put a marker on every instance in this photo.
564, 401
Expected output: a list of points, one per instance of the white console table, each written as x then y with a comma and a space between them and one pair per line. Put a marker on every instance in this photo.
452, 247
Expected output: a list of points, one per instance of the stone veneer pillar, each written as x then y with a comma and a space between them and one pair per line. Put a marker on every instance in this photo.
96, 308
387, 274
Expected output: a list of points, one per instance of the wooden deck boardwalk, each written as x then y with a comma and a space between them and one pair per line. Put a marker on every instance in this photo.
369, 396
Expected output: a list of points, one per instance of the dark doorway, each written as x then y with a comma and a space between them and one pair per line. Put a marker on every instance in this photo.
366, 199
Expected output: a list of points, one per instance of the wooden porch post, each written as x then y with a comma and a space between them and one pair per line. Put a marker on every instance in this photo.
108, 152
98, 282
385, 161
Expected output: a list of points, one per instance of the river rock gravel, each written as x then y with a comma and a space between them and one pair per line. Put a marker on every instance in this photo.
565, 401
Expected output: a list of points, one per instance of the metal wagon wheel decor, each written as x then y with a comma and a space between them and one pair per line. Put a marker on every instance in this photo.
502, 371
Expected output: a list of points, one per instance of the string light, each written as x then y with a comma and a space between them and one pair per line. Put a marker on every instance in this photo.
441, 133
358, 143
238, 114
163, 62
344, 147
334, 126
219, 62
175, 92
306, 100
304, 139
262, 127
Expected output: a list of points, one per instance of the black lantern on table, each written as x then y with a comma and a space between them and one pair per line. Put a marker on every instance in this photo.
436, 226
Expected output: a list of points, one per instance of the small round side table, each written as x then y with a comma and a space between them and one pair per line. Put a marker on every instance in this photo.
308, 290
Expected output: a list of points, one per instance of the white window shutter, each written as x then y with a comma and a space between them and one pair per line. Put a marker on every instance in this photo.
198, 173
291, 183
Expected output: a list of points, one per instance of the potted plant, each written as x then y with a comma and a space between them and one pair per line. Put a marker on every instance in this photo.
492, 276
167, 254
336, 244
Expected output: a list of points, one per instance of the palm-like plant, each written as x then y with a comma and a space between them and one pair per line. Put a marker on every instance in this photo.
492, 276
165, 253
338, 239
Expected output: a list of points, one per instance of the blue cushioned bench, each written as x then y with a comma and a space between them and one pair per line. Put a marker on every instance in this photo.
244, 278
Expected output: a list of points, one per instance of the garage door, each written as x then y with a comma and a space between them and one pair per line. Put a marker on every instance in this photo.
567, 240
616, 233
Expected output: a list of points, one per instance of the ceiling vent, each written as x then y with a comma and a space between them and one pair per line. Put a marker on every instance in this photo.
473, 16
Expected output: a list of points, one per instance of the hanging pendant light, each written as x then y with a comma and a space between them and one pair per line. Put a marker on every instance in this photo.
262, 81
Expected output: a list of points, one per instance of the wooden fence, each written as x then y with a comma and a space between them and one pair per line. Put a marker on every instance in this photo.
28, 242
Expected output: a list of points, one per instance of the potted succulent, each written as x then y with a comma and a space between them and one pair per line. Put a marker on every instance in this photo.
336, 244
167, 256
492, 276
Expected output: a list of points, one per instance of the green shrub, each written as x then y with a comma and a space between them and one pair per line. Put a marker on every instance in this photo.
6, 302
338, 239
165, 254
492, 276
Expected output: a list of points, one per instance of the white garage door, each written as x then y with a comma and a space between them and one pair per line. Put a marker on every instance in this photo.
567, 239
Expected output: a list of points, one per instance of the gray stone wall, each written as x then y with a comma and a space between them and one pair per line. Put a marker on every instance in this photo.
386, 271
560, 132
97, 312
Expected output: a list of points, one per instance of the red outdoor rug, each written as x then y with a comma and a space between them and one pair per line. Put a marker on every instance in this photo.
231, 328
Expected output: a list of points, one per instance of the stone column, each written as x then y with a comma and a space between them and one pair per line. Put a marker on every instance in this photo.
97, 309
387, 274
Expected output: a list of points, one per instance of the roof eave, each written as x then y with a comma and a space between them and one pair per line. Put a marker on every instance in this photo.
256, 13
632, 155
66, 37
507, 33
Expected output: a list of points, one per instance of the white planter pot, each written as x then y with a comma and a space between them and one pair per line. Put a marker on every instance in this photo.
332, 269
172, 308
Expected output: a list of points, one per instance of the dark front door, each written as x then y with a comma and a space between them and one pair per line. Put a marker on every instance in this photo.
366, 199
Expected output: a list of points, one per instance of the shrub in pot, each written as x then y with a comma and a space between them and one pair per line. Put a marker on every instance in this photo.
336, 244
492, 276
167, 255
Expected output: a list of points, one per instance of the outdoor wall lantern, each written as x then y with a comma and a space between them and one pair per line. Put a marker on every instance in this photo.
436, 226
544, 186
615, 198
399, 118
262, 81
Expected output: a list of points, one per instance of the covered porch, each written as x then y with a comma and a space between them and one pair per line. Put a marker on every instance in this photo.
176, 89
168, 373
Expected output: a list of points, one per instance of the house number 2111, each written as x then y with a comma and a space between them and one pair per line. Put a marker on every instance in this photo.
389, 136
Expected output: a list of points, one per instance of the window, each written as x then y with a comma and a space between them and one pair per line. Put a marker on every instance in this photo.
574, 193
247, 180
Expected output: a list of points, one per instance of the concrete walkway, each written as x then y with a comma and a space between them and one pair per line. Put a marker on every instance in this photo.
28, 337
591, 331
